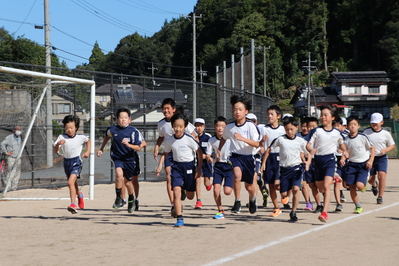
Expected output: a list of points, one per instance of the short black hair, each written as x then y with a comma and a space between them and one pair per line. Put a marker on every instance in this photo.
290, 120
179, 109
333, 111
122, 110
351, 118
312, 119
169, 101
304, 120
219, 119
275, 108
244, 99
179, 116
71, 118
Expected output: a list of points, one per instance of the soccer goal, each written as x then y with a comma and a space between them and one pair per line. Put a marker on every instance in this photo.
13, 111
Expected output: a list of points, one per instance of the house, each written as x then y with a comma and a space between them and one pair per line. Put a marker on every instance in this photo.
63, 107
353, 93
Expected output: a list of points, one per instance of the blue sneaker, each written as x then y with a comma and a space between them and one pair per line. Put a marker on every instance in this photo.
219, 215
179, 223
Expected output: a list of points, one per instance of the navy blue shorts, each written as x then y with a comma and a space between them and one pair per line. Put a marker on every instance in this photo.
73, 166
309, 176
128, 167
169, 160
380, 164
206, 169
223, 171
247, 165
183, 175
137, 170
356, 172
272, 172
341, 170
324, 165
290, 176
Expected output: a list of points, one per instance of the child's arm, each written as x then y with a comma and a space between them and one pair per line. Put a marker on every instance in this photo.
263, 167
369, 163
199, 163
58, 144
308, 161
105, 140
156, 148
219, 151
88, 146
131, 146
250, 142
387, 149
160, 163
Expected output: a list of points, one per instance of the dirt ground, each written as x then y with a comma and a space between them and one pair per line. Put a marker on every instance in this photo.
45, 233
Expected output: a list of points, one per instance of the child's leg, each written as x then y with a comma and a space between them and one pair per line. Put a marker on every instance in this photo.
382, 180
217, 196
190, 194
169, 184
73, 187
305, 191
353, 193
337, 192
360, 185
207, 182
315, 192
177, 200
129, 185
295, 197
327, 192
273, 195
227, 190
237, 182
136, 186
198, 188
372, 181
119, 178
252, 188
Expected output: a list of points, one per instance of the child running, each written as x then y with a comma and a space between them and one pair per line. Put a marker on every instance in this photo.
383, 143
71, 145
292, 150
203, 137
244, 140
222, 168
324, 141
183, 172
126, 141
360, 160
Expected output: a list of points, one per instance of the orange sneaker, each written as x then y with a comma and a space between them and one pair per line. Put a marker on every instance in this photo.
198, 205
81, 201
284, 200
209, 187
276, 212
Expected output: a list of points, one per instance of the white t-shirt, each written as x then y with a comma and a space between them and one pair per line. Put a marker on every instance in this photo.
379, 139
290, 150
358, 148
183, 148
325, 142
272, 133
72, 146
165, 128
248, 130
213, 145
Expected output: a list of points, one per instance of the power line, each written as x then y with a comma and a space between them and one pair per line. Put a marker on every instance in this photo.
34, 2
147, 7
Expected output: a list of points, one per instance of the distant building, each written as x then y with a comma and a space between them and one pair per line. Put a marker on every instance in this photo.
353, 93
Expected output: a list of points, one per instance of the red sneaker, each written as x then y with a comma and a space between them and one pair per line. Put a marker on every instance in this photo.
72, 208
198, 205
209, 187
81, 201
323, 217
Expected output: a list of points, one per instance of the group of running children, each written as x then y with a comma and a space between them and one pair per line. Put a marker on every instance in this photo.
270, 157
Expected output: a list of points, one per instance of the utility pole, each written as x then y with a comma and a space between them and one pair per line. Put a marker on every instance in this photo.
49, 107
122, 78
309, 68
264, 48
152, 73
202, 74
194, 67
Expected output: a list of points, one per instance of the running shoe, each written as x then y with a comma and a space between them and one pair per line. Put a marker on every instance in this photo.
130, 206
276, 212
198, 205
252, 206
337, 178
284, 200
286, 206
118, 203
309, 206
375, 189
338, 208
179, 223
265, 193
183, 194
72, 208
364, 189
173, 212
136, 205
293, 216
219, 215
319, 209
81, 201
208, 188
237, 207
323, 217
379, 200
358, 210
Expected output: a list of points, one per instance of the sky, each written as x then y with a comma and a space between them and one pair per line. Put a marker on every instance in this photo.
77, 24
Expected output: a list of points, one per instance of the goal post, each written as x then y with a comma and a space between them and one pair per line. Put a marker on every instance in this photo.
92, 113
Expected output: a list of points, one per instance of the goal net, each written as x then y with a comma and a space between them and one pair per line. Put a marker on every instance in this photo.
37, 102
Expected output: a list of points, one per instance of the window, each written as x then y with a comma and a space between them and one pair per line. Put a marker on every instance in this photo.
355, 90
374, 89
103, 98
64, 108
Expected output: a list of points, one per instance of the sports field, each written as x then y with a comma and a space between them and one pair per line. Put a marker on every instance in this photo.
45, 233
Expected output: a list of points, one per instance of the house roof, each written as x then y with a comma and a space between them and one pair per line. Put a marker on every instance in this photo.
323, 95
360, 76
106, 88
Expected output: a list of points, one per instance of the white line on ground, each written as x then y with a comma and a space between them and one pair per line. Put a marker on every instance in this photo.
285, 239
